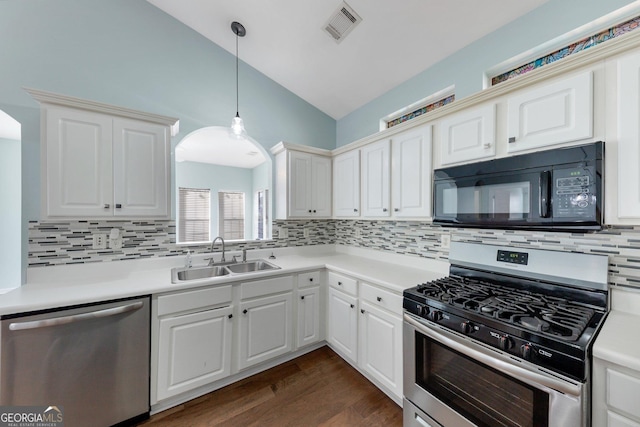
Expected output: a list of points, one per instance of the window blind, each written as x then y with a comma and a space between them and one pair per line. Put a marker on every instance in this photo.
231, 215
194, 215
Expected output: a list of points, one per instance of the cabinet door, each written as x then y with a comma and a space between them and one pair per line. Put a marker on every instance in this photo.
343, 324
381, 346
308, 316
628, 136
411, 173
376, 179
320, 186
194, 350
265, 329
299, 184
77, 162
346, 184
140, 168
551, 114
468, 135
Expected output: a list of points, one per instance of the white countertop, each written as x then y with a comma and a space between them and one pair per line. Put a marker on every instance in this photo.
61, 286
617, 342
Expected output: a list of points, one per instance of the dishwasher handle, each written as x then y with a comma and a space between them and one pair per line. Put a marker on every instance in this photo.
65, 320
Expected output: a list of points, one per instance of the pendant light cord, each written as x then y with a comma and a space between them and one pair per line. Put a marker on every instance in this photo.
237, 91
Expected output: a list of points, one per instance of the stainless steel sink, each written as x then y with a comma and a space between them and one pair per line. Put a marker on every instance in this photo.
200, 272
250, 266
195, 273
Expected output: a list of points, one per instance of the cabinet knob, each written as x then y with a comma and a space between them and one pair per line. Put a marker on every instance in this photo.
384, 209
379, 299
302, 297
355, 210
362, 311
118, 206
512, 139
339, 283
244, 311
107, 205
352, 305
230, 316
311, 279
487, 145
397, 210
309, 210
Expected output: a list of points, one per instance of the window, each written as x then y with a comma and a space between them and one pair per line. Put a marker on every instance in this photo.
194, 215
231, 215
261, 215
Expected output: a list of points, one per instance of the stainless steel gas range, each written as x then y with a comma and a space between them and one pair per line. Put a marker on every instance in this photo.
504, 340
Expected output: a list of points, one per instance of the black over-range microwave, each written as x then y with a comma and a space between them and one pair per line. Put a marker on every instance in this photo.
558, 189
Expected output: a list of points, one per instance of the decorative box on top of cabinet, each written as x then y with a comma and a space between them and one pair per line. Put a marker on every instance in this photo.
102, 161
303, 182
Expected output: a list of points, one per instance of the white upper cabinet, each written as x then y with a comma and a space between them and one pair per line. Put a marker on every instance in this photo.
628, 128
346, 184
411, 173
468, 135
376, 179
303, 184
101, 165
551, 114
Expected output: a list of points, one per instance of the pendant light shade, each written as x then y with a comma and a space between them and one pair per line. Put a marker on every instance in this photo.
237, 125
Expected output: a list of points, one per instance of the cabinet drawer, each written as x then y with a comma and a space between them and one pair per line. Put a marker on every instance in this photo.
622, 393
192, 300
309, 279
260, 288
344, 283
381, 298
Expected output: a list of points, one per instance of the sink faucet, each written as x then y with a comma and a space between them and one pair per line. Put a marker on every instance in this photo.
211, 250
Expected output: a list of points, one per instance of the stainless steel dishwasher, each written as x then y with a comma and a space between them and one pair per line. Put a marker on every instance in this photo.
92, 361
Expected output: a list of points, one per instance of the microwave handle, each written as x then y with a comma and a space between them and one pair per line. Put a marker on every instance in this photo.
545, 194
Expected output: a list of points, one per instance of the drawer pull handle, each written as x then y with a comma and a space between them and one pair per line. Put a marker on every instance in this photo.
379, 299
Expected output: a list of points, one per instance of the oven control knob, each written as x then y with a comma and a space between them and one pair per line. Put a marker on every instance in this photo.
423, 310
525, 349
435, 315
505, 342
466, 327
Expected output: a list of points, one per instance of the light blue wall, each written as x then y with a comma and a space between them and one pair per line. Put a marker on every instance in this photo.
465, 68
10, 213
219, 178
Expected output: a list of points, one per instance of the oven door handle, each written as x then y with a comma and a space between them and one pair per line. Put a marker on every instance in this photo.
517, 372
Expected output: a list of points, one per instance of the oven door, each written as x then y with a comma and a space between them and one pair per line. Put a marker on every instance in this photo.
454, 382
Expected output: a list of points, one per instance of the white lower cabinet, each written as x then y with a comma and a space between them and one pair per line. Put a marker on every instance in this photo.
265, 320
194, 348
309, 306
343, 324
380, 336
615, 395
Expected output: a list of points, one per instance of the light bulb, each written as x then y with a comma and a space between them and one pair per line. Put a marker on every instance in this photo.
237, 126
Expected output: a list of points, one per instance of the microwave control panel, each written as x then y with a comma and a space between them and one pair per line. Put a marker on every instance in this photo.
574, 193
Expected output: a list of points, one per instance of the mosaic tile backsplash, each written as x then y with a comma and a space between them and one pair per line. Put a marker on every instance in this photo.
69, 242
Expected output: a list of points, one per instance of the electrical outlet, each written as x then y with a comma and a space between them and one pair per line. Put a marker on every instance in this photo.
358, 232
305, 232
445, 241
99, 241
283, 233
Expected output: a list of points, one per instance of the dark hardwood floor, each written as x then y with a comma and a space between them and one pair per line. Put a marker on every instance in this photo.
317, 389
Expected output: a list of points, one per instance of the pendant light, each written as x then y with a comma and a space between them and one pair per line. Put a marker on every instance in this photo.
237, 126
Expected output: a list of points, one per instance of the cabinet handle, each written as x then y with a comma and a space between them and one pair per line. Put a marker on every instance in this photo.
339, 283
311, 279
230, 316
355, 210
302, 297
379, 299
118, 206
244, 311
107, 205
384, 209
309, 210
396, 210
362, 311
512, 139
352, 305
487, 146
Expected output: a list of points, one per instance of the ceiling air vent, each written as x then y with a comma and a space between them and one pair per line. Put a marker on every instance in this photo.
342, 22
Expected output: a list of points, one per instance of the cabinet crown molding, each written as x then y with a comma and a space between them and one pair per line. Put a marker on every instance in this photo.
283, 146
51, 98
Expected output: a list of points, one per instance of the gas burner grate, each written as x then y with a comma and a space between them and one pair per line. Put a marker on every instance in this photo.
545, 314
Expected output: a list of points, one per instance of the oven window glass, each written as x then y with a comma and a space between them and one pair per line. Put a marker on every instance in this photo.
481, 394
505, 201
